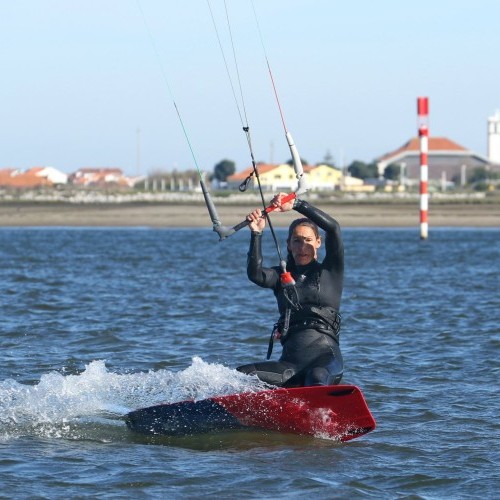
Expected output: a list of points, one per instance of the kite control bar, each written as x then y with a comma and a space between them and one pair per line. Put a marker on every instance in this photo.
225, 231
268, 209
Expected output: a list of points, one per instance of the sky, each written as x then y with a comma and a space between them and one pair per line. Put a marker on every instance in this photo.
92, 83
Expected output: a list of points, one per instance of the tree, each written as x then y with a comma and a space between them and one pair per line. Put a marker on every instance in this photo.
483, 179
363, 170
393, 172
224, 169
479, 174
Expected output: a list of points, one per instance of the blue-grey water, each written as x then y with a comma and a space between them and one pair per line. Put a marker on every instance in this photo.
96, 322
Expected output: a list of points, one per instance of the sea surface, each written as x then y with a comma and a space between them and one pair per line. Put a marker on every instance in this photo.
97, 322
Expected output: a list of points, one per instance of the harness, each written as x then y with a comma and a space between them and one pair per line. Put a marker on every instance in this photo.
324, 319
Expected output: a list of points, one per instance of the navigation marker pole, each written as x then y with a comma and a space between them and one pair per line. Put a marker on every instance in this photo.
423, 133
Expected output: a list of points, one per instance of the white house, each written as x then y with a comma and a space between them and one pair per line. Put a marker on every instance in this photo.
52, 174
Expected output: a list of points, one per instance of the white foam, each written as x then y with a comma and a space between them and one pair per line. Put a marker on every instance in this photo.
59, 404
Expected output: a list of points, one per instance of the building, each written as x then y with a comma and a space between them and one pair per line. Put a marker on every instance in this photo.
494, 139
354, 185
32, 178
282, 177
446, 159
100, 177
271, 177
56, 177
324, 177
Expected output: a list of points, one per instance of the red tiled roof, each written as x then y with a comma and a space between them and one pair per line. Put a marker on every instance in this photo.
8, 177
5, 174
435, 144
261, 167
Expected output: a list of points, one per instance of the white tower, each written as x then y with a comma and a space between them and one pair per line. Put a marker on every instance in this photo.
494, 138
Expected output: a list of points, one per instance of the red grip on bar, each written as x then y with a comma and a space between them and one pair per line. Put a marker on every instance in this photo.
285, 199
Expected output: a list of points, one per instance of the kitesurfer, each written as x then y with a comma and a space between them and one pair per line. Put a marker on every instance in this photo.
309, 322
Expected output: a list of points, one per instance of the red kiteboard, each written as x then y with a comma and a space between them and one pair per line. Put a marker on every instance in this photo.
335, 412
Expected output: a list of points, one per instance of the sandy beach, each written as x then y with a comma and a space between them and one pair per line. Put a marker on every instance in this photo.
166, 215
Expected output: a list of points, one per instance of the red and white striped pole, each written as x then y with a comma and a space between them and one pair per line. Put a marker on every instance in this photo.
423, 133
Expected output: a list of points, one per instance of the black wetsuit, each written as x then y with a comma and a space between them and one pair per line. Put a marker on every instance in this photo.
311, 353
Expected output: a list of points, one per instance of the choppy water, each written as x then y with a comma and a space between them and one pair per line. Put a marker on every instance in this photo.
97, 322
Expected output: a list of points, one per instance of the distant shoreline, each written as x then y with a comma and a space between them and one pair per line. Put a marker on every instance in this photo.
177, 215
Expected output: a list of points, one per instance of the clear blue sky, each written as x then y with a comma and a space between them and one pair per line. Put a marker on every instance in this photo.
80, 77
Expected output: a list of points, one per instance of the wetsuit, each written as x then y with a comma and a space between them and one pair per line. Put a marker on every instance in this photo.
309, 319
